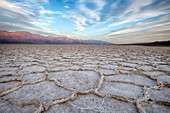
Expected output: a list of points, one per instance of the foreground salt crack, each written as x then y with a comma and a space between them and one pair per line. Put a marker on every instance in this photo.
84, 79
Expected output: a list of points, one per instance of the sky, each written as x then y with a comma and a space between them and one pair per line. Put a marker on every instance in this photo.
116, 21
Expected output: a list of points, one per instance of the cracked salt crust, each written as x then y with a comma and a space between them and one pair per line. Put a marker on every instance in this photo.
84, 79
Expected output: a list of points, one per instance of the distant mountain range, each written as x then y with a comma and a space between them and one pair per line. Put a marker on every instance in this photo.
23, 37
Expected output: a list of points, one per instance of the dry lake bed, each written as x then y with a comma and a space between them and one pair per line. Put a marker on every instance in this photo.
84, 79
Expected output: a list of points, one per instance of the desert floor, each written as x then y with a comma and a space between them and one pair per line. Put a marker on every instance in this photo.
84, 79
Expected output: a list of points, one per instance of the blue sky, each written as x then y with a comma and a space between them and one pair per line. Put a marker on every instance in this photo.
116, 21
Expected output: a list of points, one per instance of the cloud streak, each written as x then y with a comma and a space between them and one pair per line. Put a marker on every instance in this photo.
157, 34
141, 26
46, 32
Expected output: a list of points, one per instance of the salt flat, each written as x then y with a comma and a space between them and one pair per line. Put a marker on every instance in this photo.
84, 79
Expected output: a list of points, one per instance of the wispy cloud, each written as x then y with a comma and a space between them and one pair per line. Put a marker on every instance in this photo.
49, 12
47, 32
141, 26
136, 5
85, 16
26, 15
66, 6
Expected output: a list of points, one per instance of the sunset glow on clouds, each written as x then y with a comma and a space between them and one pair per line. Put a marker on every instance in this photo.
117, 21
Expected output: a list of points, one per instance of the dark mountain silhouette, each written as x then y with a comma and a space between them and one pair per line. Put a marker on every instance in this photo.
23, 37
157, 43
